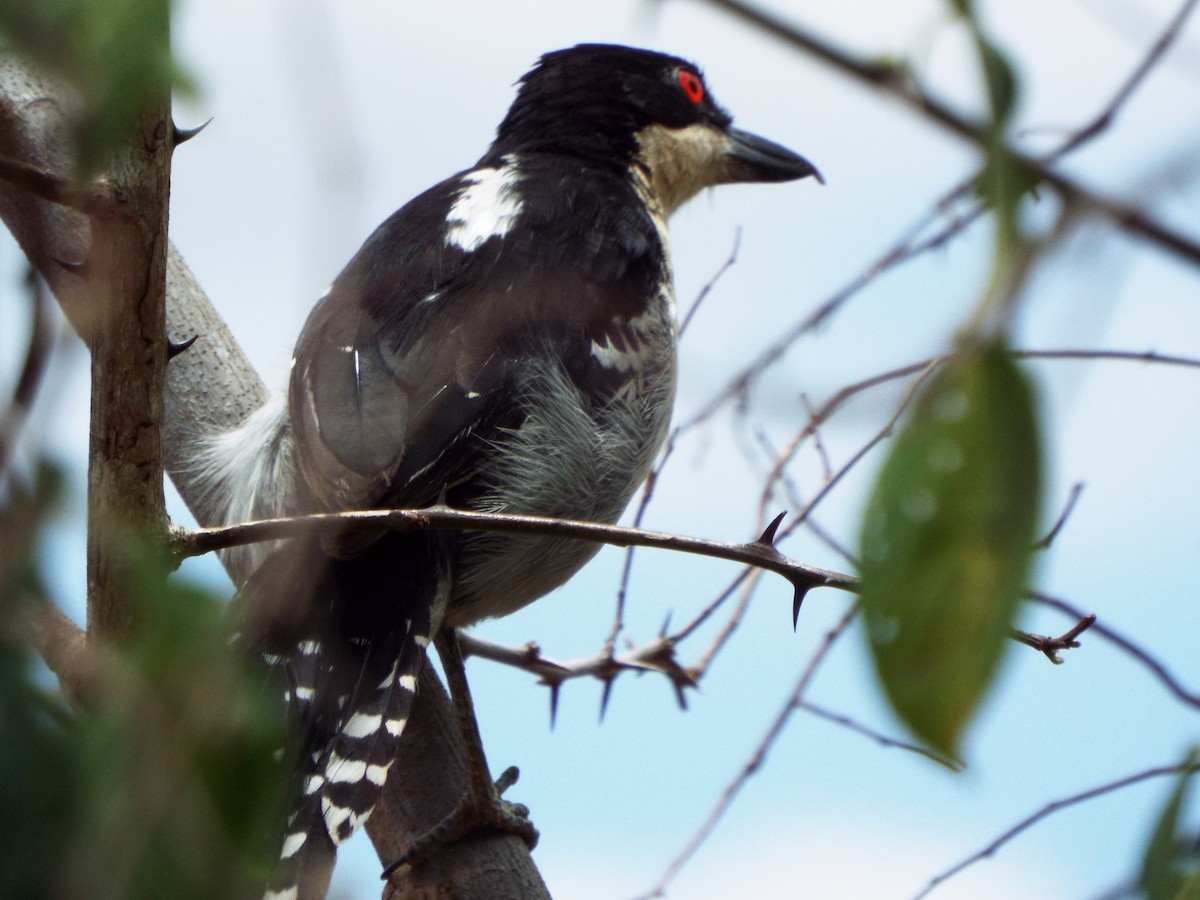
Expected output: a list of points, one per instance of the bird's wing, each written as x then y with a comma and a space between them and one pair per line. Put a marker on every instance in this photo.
406, 368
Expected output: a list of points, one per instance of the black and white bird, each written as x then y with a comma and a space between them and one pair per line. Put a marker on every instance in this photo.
506, 341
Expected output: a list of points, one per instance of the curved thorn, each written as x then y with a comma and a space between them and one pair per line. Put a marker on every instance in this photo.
608, 683
767, 538
181, 135
174, 349
554, 702
681, 696
797, 599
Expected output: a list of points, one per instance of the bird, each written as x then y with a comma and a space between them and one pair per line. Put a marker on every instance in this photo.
506, 343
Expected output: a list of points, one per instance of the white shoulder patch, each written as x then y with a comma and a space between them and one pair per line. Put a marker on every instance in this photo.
487, 207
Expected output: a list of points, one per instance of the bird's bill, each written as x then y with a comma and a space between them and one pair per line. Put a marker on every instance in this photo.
754, 158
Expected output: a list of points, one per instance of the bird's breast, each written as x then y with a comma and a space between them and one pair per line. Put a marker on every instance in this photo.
573, 458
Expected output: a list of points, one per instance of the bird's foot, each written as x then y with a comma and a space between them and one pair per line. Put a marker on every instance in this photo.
477, 811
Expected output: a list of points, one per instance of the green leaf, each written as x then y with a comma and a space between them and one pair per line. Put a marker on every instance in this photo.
184, 788
1191, 888
1001, 82
39, 792
947, 540
1163, 875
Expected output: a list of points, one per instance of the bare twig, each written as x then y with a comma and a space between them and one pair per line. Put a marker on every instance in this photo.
1048, 810
883, 740
46, 185
37, 354
1173, 684
1052, 646
1108, 115
65, 649
884, 78
1068, 508
627, 567
754, 763
909, 245
712, 281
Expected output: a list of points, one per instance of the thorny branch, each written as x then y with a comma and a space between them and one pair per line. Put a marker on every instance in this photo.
760, 553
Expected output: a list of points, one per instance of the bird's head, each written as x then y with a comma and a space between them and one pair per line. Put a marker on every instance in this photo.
607, 104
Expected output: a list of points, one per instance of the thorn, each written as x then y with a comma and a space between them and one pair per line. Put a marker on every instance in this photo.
75, 268
554, 702
767, 538
608, 683
797, 599
665, 626
441, 500
182, 135
681, 696
174, 349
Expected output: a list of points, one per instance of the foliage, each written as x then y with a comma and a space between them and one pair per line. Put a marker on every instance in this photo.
165, 787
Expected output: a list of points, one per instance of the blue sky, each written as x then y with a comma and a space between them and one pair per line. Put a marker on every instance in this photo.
326, 117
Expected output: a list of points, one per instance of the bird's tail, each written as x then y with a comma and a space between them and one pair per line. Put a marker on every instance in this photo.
344, 773
350, 635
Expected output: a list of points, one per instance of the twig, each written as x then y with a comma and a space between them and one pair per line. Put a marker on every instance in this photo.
757, 758
712, 281
37, 354
656, 656
66, 651
1173, 684
627, 567
883, 740
51, 186
1048, 810
1052, 646
879, 436
907, 247
1106, 116
884, 78
1068, 508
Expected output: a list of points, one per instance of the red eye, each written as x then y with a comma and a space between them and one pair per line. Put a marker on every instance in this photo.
692, 86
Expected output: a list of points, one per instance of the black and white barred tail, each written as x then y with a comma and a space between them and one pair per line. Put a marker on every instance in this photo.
350, 691
343, 778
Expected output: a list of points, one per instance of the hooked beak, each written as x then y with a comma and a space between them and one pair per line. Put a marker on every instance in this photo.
753, 158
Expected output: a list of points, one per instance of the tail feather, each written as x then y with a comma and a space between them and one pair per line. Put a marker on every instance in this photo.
348, 767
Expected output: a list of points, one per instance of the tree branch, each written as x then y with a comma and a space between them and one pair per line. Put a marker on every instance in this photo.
759, 553
1048, 810
889, 80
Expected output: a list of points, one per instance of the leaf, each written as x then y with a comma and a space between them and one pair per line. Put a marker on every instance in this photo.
183, 788
1163, 875
947, 540
1191, 888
